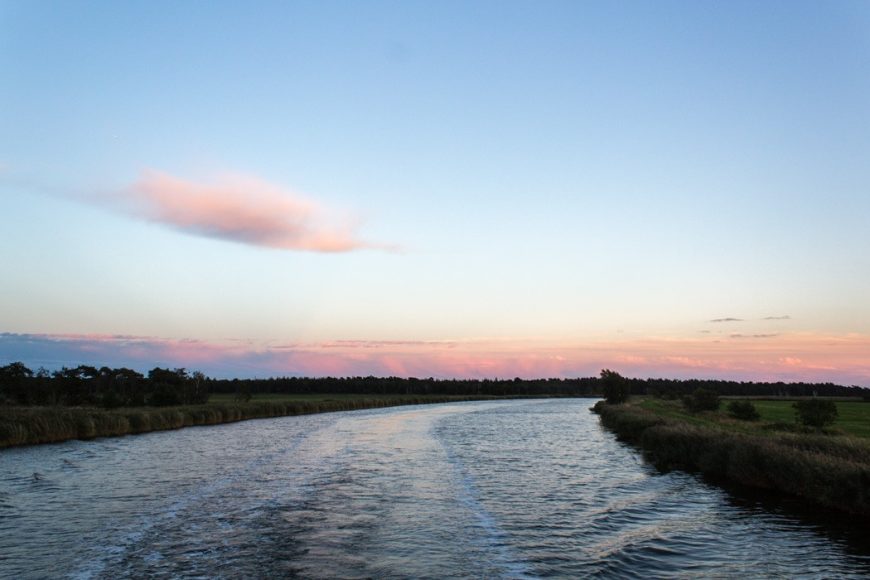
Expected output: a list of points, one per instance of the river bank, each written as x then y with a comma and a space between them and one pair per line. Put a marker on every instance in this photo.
829, 470
36, 425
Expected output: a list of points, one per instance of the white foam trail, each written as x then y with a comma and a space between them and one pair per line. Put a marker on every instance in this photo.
495, 540
111, 554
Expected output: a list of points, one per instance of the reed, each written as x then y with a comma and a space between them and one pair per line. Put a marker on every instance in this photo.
831, 471
34, 425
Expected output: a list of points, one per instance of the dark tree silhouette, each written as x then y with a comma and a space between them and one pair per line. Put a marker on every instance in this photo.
616, 388
816, 413
13, 383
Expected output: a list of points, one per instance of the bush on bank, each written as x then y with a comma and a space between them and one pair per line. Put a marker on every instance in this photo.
816, 413
701, 400
743, 410
830, 471
615, 387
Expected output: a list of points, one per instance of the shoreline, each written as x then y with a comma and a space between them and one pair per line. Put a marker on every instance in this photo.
829, 471
22, 426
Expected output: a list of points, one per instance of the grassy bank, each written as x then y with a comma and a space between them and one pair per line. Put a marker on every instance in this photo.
34, 425
853, 418
828, 469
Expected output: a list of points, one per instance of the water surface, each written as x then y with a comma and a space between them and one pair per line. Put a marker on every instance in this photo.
508, 489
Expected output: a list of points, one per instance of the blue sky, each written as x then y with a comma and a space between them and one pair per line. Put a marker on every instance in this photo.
584, 184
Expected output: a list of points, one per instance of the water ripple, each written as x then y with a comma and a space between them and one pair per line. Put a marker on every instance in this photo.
519, 489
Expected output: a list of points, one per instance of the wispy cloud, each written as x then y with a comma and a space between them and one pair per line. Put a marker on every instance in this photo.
728, 319
241, 209
786, 317
763, 335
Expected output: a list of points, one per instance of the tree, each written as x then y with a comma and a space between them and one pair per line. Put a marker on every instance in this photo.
175, 377
14, 371
131, 385
816, 412
78, 385
615, 387
701, 400
243, 392
197, 393
166, 386
14, 378
45, 391
177, 387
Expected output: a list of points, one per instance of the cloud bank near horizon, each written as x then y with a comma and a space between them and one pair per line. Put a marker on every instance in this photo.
241, 209
797, 357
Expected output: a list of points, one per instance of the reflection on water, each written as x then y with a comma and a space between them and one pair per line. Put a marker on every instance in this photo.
511, 489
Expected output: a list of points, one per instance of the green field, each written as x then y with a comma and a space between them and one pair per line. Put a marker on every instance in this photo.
854, 416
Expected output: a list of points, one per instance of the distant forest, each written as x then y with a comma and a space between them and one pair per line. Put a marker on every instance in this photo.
122, 387
579, 387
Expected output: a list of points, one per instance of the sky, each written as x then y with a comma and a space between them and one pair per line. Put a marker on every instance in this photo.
482, 189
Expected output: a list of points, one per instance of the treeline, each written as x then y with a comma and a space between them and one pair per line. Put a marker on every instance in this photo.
105, 387
123, 387
579, 387
412, 386
678, 388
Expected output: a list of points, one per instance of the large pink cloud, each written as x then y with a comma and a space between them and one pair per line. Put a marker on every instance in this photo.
242, 209
789, 357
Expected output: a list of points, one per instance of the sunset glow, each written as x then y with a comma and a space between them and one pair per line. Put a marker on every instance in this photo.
799, 357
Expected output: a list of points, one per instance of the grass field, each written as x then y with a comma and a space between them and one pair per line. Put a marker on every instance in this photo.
854, 416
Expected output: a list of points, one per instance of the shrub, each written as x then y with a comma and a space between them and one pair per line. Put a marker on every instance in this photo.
243, 393
743, 410
615, 387
164, 395
628, 422
816, 412
701, 400
111, 400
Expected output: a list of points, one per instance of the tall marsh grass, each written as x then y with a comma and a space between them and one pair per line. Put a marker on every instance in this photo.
833, 471
33, 425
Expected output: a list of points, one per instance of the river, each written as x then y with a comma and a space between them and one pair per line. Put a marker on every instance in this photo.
506, 489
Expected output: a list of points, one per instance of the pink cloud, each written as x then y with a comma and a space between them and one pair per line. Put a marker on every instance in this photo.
242, 209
